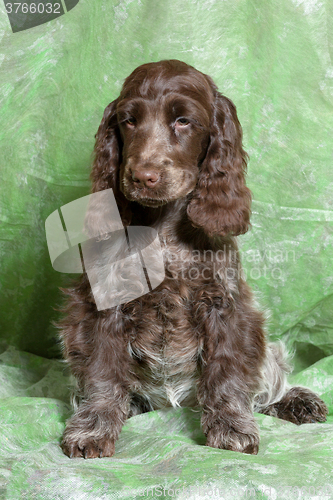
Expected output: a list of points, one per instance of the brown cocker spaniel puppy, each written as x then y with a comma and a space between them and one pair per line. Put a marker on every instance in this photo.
170, 147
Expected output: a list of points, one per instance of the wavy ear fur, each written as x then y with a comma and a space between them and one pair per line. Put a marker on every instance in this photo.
221, 201
107, 160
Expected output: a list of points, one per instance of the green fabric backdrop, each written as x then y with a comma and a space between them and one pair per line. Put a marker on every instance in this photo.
274, 60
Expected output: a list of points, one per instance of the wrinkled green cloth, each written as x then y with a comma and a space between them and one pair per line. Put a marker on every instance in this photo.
274, 60
159, 454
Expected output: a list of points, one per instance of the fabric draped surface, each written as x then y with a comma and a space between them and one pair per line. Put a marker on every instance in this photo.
274, 60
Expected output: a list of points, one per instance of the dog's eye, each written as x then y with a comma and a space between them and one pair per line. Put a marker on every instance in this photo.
182, 121
131, 122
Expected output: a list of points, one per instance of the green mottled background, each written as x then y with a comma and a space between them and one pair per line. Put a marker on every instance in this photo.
274, 60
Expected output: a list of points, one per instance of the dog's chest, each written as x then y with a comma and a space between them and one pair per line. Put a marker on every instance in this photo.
165, 348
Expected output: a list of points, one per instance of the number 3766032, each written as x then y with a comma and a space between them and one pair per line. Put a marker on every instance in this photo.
33, 8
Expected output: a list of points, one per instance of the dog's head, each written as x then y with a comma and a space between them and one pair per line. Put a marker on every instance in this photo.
171, 135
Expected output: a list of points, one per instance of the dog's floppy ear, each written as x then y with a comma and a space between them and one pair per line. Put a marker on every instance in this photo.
107, 159
221, 201
107, 151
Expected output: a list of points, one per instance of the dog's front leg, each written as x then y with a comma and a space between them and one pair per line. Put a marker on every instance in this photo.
230, 425
234, 346
98, 356
95, 426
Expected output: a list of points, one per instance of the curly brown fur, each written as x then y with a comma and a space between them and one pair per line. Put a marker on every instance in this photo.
170, 147
299, 406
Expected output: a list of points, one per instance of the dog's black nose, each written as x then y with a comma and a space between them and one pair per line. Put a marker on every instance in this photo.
147, 178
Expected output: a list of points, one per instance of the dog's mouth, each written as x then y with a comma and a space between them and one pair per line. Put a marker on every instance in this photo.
148, 197
151, 202
146, 201
167, 191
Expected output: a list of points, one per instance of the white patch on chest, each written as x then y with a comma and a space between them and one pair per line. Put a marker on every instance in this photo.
168, 376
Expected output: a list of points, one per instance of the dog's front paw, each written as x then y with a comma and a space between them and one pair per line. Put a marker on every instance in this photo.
74, 445
90, 433
227, 438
